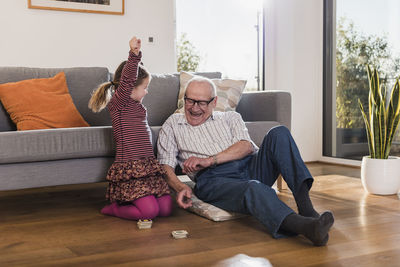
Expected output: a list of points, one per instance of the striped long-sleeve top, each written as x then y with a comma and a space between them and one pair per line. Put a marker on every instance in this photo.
131, 131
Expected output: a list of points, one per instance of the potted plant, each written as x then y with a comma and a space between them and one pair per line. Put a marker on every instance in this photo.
380, 173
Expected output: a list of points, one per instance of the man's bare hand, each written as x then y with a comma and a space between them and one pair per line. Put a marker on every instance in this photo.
183, 197
194, 164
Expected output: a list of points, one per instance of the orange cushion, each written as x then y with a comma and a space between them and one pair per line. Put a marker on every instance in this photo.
41, 104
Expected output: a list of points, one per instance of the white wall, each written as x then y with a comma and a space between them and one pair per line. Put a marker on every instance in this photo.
41, 38
294, 33
44, 38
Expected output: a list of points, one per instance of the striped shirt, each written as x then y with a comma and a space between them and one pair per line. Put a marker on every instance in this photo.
178, 140
131, 131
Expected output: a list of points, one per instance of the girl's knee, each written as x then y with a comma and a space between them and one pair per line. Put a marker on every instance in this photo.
147, 206
165, 205
150, 211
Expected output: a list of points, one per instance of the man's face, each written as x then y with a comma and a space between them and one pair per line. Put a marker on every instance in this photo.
198, 112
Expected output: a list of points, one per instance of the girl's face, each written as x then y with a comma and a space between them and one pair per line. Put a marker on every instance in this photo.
140, 90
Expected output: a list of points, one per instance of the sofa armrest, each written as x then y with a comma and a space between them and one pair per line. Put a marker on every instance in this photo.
266, 106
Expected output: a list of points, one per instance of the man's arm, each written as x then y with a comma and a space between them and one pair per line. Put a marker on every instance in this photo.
236, 151
242, 146
184, 192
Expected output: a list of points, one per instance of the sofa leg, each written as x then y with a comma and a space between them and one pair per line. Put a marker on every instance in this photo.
281, 183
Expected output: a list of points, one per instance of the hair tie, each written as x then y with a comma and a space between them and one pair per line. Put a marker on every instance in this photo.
112, 83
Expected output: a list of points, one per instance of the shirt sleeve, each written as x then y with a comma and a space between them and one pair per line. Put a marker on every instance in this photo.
127, 82
238, 128
167, 148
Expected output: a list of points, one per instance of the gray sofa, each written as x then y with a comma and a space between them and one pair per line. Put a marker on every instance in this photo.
51, 157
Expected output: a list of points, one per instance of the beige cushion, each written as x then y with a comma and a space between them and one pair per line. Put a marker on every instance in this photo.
206, 210
228, 91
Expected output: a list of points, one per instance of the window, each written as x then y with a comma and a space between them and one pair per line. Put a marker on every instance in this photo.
356, 33
222, 35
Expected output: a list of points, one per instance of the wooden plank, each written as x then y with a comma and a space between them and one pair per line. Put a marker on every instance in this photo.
62, 226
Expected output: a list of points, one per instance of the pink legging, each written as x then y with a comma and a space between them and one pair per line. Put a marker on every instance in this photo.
147, 207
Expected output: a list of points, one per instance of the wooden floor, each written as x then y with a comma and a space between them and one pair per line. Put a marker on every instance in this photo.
61, 226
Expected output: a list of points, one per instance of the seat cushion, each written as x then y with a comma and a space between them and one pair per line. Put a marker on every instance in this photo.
54, 144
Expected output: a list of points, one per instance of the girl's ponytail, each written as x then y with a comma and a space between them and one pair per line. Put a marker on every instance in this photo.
100, 97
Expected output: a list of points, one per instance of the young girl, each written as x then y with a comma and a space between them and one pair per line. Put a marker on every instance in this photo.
137, 189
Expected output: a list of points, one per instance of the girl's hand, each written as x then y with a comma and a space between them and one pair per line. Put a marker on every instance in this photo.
135, 45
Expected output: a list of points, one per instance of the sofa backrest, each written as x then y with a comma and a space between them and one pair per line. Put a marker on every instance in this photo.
81, 82
160, 102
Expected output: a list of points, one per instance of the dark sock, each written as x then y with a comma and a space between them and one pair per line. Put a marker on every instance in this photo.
303, 202
315, 229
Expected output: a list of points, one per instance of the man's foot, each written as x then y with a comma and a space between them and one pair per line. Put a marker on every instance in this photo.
309, 213
318, 230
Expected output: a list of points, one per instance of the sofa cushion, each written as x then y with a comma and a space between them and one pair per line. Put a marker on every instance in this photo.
228, 91
163, 94
81, 82
54, 144
41, 104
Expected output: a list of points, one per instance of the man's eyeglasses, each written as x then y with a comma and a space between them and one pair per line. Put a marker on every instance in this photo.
201, 103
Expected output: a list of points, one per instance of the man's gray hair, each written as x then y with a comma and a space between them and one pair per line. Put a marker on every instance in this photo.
200, 79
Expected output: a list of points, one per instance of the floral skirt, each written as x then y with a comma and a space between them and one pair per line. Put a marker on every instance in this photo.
134, 179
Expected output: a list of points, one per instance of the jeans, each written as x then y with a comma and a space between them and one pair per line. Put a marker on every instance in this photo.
245, 185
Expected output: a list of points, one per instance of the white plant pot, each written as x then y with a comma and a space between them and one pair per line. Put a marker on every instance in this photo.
381, 176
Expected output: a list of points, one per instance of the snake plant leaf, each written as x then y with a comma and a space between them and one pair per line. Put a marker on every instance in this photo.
390, 139
383, 93
395, 125
382, 125
376, 131
370, 94
393, 112
368, 130
395, 97
373, 77
376, 87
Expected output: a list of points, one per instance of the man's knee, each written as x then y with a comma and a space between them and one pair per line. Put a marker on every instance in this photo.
255, 187
277, 132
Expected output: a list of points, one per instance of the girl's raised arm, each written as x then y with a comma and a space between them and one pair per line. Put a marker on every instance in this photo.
129, 74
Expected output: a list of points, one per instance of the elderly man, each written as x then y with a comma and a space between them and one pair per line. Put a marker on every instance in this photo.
215, 150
